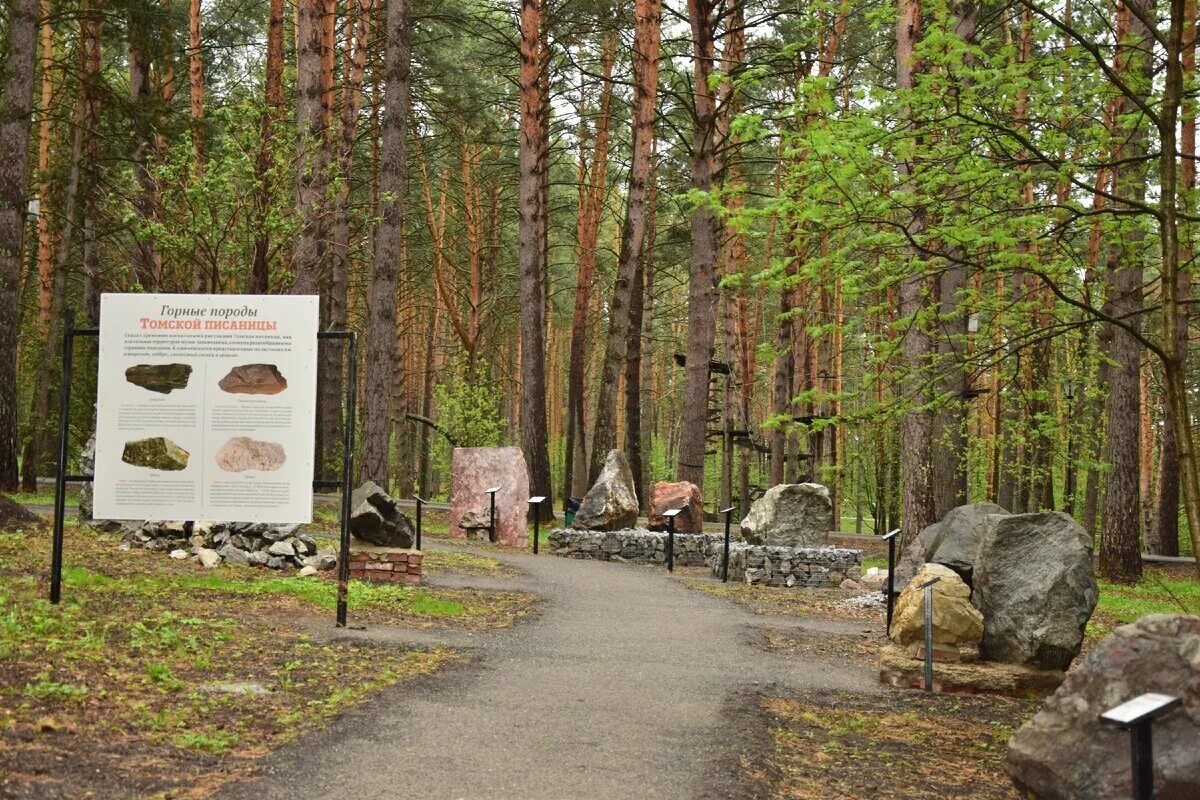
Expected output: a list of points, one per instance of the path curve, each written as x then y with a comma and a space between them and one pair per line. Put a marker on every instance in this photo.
619, 689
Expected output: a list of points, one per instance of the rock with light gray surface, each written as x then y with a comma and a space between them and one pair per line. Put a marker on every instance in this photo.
1035, 584
790, 515
612, 503
953, 542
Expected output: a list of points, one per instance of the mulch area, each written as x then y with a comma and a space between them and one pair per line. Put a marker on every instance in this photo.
895, 746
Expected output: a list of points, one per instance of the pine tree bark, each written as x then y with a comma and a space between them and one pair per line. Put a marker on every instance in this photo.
705, 242
532, 267
89, 22
381, 293
45, 248
260, 269
1120, 532
15, 120
646, 43
1163, 538
147, 266
916, 426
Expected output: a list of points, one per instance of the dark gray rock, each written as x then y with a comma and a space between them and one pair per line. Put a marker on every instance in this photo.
1036, 586
161, 378
376, 519
1064, 753
234, 555
953, 542
612, 503
790, 515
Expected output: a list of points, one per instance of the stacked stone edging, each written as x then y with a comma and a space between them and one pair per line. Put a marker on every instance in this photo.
635, 545
823, 567
804, 567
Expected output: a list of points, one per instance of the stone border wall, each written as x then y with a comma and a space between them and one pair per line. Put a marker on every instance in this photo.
636, 546
821, 567
382, 564
804, 567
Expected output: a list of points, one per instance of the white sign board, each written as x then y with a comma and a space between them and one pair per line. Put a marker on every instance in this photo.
206, 407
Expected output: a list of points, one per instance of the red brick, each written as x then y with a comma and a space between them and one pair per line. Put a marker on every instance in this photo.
414, 558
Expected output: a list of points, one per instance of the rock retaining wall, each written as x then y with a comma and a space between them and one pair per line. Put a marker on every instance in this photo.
636, 546
824, 567
813, 567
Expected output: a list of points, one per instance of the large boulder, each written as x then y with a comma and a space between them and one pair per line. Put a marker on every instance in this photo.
376, 518
953, 542
474, 470
611, 504
790, 515
1065, 753
1036, 586
665, 496
955, 621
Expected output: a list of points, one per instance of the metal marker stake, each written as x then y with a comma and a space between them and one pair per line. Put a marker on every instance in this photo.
890, 538
928, 587
1136, 716
728, 512
536, 504
670, 515
420, 502
492, 520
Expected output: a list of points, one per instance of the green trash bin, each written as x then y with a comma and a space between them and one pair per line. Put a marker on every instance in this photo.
570, 510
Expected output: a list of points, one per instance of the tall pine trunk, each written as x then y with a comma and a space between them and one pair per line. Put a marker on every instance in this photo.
646, 41
705, 242
381, 294
15, 119
531, 252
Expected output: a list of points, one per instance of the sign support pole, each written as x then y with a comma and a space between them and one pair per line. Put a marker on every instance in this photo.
60, 479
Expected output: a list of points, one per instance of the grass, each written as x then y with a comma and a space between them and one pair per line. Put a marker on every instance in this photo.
1156, 593
123, 689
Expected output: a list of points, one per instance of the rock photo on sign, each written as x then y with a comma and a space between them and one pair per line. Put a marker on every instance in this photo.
253, 379
157, 452
242, 453
161, 378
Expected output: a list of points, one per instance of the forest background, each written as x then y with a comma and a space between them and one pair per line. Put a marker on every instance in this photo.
922, 252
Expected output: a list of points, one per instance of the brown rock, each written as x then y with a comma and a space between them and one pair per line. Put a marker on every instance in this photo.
955, 621
242, 453
900, 669
475, 469
665, 495
253, 379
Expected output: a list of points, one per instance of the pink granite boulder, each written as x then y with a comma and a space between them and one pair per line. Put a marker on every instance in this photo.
474, 470
665, 495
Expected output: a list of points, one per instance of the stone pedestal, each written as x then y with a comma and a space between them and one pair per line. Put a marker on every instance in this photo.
383, 564
476, 469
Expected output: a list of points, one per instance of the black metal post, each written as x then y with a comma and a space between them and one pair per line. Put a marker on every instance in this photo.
890, 538
60, 480
492, 518
536, 504
728, 512
671, 543
1141, 751
420, 502
928, 587
347, 472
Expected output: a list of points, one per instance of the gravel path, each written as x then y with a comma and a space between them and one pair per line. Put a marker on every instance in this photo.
620, 689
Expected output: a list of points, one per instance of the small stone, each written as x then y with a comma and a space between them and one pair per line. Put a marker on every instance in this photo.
209, 558
258, 558
276, 562
234, 555
307, 571
281, 549
179, 554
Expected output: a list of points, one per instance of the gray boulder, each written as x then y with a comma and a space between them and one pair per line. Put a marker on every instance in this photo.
1036, 586
953, 542
612, 503
790, 515
476, 519
1064, 753
376, 518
